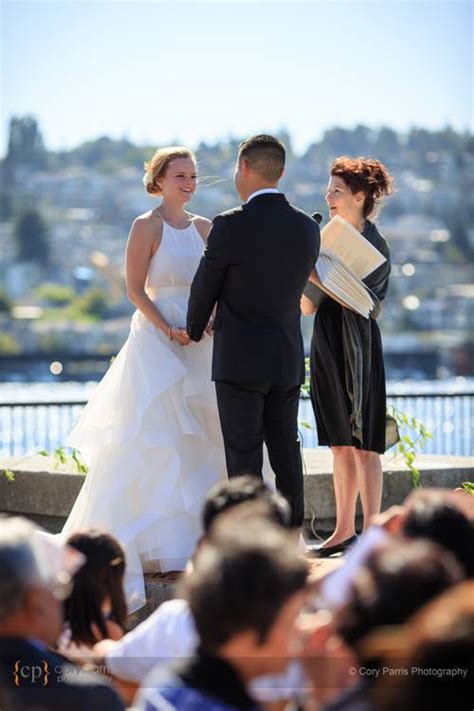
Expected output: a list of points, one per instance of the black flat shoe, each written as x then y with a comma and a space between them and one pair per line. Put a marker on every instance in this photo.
327, 551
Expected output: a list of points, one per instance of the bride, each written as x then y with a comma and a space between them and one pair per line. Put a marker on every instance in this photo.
150, 433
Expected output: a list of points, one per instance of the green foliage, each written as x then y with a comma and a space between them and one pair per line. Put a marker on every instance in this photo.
305, 386
31, 236
468, 486
5, 302
93, 302
409, 445
8, 474
91, 306
51, 341
80, 466
8, 344
62, 459
55, 294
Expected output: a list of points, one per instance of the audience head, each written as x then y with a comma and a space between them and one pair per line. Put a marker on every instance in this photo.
245, 591
227, 494
436, 640
430, 513
260, 164
356, 187
393, 584
35, 576
98, 582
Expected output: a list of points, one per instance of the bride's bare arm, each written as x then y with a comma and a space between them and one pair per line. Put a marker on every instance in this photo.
203, 226
141, 246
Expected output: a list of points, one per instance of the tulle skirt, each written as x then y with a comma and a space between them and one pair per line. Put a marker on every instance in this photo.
151, 437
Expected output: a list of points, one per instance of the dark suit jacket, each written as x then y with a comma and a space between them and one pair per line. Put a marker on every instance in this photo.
256, 264
32, 677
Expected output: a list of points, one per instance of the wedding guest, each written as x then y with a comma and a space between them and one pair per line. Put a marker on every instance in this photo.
245, 593
435, 652
435, 515
170, 632
32, 588
346, 361
96, 608
392, 585
438, 516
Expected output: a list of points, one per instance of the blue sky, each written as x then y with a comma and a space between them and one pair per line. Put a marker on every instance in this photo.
156, 71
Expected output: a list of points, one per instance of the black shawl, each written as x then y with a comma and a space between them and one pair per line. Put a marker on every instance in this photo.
357, 334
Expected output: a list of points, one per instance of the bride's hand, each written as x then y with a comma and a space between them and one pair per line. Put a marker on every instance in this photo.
180, 336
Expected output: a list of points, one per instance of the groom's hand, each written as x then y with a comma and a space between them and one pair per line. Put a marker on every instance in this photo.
210, 327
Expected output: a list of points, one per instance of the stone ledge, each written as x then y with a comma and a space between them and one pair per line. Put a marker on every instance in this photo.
47, 495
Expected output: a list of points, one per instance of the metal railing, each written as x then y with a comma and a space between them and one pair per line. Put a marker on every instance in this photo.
27, 427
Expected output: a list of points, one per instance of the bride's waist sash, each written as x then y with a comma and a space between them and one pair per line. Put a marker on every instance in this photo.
160, 293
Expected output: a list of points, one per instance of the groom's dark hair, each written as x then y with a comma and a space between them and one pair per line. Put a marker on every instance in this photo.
265, 155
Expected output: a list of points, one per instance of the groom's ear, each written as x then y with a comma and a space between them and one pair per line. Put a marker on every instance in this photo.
244, 167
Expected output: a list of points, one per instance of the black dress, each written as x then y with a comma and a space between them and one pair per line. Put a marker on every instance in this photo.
346, 362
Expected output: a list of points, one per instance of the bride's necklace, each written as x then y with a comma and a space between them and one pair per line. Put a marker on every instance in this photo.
173, 223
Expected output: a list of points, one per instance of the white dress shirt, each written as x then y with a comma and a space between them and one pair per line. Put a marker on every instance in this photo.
262, 192
169, 634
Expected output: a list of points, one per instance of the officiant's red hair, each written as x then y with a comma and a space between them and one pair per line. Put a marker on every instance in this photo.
366, 175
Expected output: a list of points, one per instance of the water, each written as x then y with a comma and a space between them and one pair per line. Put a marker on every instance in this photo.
449, 420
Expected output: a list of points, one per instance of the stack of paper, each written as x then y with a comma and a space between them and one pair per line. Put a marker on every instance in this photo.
345, 259
342, 282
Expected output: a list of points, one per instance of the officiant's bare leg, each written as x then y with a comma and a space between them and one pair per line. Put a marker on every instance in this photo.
345, 492
370, 482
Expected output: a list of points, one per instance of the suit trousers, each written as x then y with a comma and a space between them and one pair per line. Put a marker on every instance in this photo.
254, 413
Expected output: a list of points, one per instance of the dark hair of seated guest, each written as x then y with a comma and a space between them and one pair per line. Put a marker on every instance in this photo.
229, 493
431, 515
393, 584
244, 572
100, 578
438, 637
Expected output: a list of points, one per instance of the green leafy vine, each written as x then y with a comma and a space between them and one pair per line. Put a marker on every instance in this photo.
408, 445
61, 458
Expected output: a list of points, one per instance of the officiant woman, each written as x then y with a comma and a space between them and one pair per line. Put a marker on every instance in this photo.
346, 362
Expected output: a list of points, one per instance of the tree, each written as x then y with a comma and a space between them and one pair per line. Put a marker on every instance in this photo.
5, 303
93, 302
25, 144
31, 237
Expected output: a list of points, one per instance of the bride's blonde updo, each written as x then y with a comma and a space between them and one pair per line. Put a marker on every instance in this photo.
157, 166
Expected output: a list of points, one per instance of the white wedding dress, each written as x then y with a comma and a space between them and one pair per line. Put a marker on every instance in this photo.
150, 433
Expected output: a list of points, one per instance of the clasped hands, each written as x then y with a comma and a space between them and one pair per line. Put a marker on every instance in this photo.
181, 336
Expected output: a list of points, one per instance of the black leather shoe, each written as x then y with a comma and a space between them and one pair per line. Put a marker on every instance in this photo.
327, 551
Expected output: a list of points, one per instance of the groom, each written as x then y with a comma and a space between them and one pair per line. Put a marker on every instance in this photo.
256, 264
